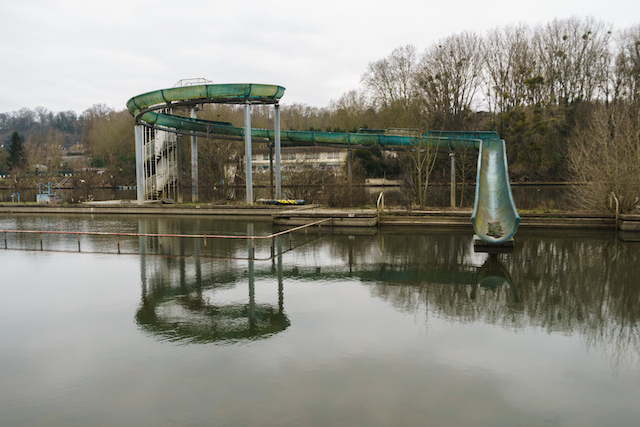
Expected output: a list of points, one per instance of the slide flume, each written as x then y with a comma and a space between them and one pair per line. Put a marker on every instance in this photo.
494, 218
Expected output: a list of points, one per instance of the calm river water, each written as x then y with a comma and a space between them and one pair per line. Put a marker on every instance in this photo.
403, 327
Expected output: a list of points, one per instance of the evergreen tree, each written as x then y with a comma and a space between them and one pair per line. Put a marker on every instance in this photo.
17, 156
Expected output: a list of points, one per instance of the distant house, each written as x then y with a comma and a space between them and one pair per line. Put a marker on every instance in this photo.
297, 158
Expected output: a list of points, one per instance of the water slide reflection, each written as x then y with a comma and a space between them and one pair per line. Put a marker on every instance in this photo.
568, 285
186, 312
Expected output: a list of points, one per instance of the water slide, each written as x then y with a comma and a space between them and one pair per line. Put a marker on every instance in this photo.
494, 218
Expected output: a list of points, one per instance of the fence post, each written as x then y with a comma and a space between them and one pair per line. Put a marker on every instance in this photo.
253, 249
272, 254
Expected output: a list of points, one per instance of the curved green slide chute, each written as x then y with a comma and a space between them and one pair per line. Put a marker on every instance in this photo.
494, 218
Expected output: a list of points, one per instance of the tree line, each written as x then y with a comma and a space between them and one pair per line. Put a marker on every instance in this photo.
549, 90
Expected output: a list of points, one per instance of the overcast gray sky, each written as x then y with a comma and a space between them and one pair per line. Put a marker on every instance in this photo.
69, 55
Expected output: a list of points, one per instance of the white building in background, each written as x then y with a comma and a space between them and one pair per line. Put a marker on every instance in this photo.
297, 158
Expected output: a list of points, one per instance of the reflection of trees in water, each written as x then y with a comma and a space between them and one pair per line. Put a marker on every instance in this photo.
574, 286
566, 285
402, 248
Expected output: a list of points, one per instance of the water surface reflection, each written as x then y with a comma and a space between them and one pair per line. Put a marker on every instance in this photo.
585, 285
401, 327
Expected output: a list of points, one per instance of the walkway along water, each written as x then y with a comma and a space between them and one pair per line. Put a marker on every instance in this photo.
308, 215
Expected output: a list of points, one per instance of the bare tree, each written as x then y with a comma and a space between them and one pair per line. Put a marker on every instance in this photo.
422, 159
350, 110
510, 69
449, 77
466, 165
627, 66
606, 156
110, 137
574, 57
43, 151
215, 158
303, 180
391, 84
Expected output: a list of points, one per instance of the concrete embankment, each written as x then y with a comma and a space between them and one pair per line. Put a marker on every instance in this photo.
298, 215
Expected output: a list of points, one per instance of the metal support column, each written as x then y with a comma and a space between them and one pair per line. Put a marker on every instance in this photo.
271, 171
179, 168
276, 125
137, 130
453, 179
349, 157
247, 153
194, 163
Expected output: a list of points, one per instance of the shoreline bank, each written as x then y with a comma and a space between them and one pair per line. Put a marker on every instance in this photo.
298, 215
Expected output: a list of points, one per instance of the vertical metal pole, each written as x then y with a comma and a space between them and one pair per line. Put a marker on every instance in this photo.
78, 242
179, 167
118, 237
453, 179
276, 119
272, 253
271, 171
196, 254
349, 156
250, 246
142, 249
247, 153
194, 163
251, 257
142, 240
137, 130
280, 276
